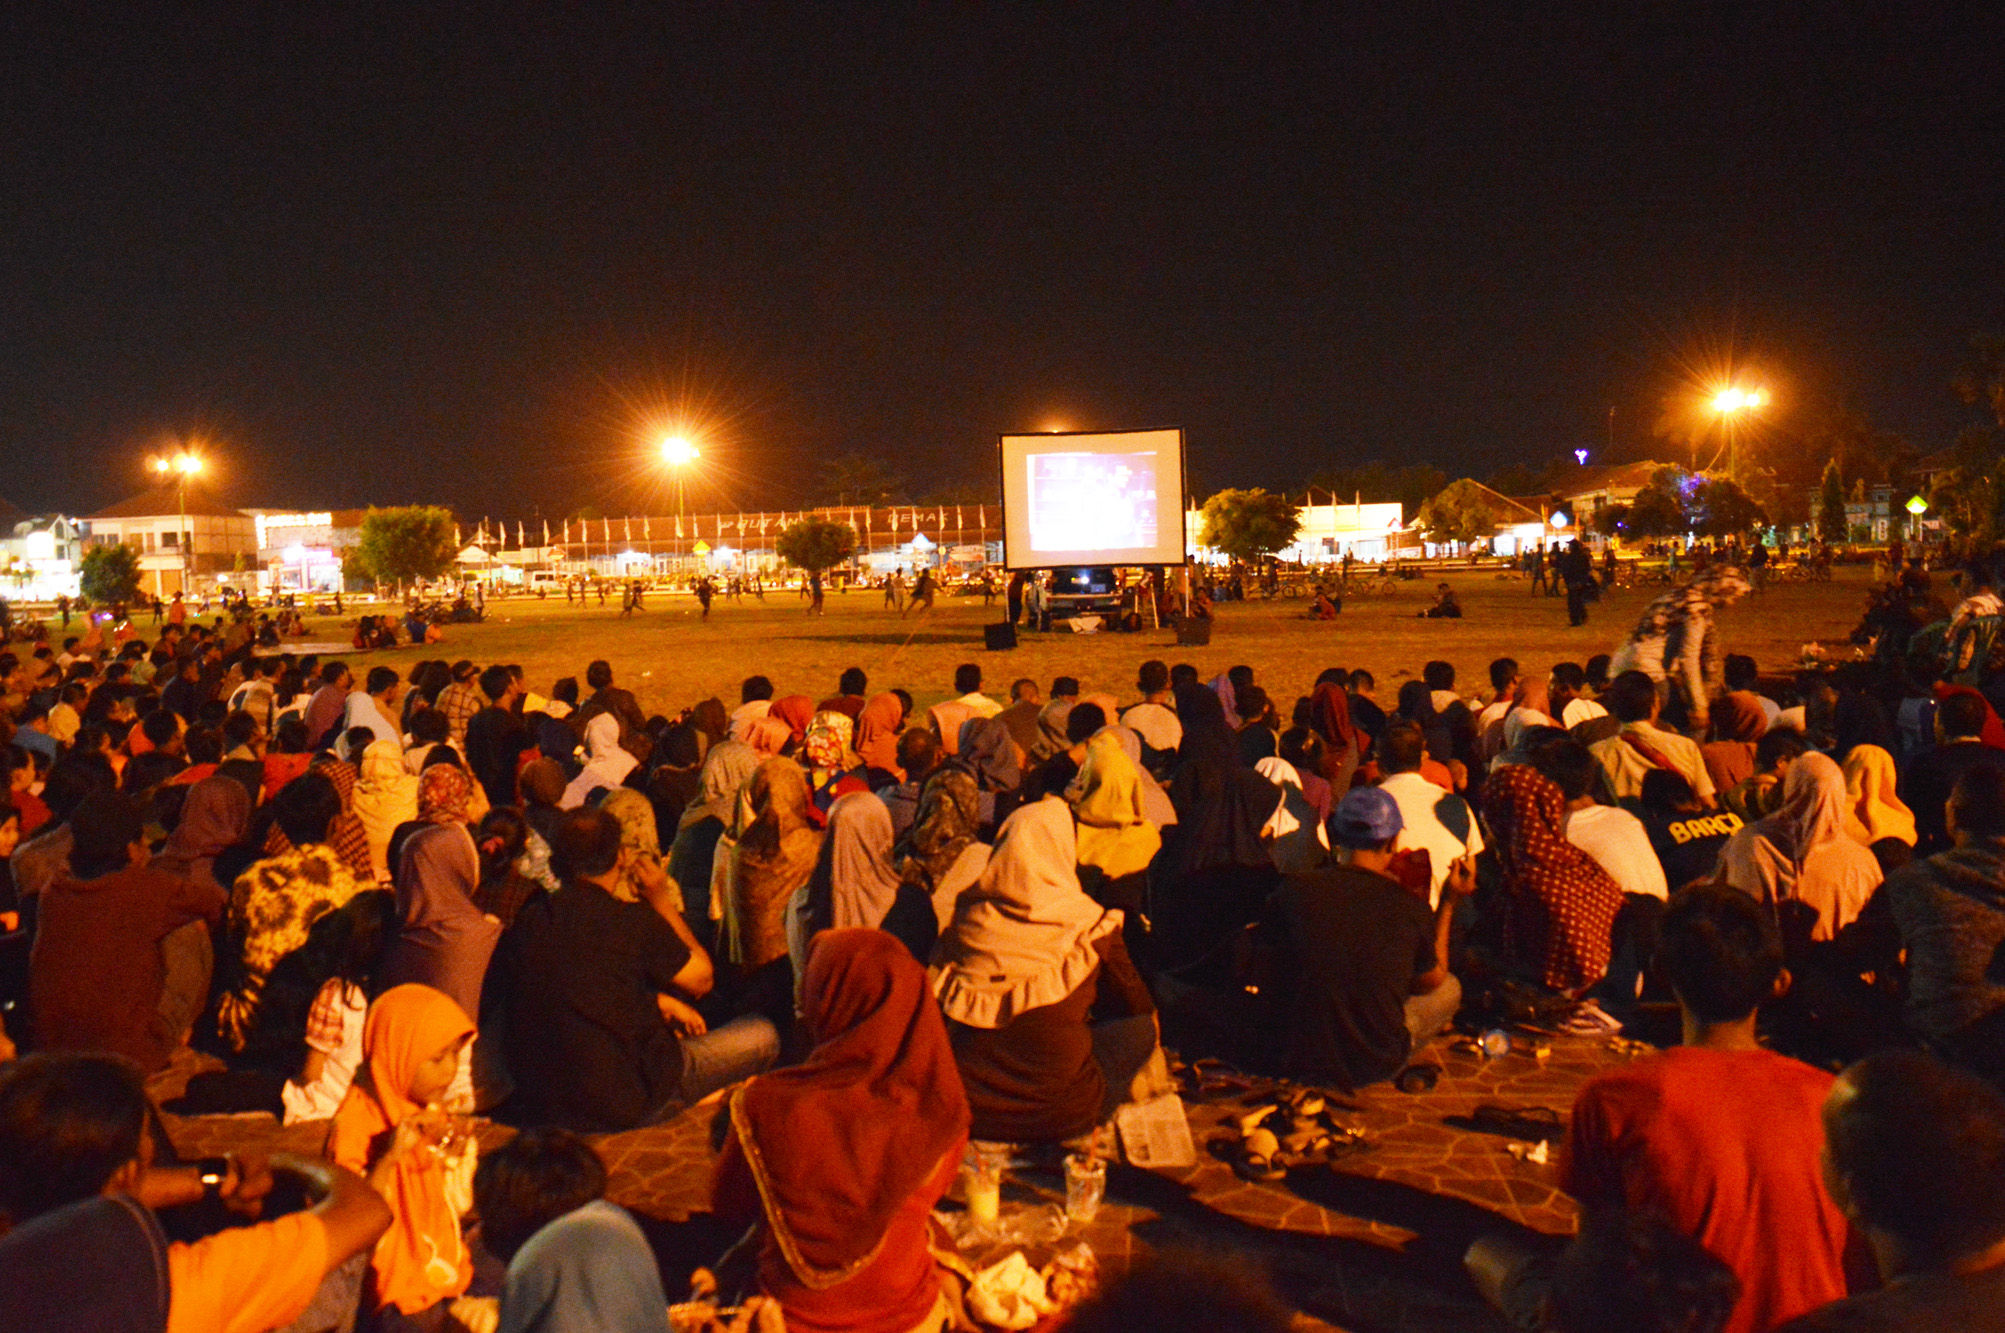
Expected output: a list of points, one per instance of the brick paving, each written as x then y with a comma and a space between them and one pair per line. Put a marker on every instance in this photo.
1372, 1241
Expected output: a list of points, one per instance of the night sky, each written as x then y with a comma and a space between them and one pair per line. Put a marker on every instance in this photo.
481, 255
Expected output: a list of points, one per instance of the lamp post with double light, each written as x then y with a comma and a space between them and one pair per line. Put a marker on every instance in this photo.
180, 466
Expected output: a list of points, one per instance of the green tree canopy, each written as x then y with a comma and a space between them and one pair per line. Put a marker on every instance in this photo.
110, 573
816, 544
1461, 512
1249, 525
1831, 524
1661, 509
1720, 508
406, 543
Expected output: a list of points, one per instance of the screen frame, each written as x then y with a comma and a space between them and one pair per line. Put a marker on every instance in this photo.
1010, 564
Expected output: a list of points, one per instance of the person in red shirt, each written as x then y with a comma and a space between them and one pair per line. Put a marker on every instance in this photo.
97, 975
1718, 1136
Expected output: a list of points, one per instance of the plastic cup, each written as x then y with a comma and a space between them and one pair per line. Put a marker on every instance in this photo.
981, 1185
1085, 1186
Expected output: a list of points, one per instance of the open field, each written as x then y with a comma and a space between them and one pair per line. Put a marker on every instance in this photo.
671, 658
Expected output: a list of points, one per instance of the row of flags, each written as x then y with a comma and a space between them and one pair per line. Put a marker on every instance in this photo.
910, 519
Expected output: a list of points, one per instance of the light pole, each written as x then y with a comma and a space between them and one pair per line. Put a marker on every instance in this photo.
679, 451
1730, 403
181, 467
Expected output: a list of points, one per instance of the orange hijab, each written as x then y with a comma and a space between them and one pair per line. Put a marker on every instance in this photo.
421, 1260
877, 733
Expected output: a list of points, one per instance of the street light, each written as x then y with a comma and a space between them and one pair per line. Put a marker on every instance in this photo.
679, 451
1730, 403
181, 467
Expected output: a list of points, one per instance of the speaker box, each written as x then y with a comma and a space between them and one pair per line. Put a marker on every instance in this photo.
1193, 633
999, 637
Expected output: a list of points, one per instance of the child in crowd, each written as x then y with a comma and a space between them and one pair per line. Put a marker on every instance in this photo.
392, 1128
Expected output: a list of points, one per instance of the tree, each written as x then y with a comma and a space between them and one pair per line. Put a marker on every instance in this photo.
406, 543
1967, 496
1980, 380
110, 573
1661, 508
355, 575
1461, 513
1831, 524
1720, 508
1249, 525
815, 544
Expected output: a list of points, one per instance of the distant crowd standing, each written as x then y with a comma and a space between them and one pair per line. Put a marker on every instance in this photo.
389, 903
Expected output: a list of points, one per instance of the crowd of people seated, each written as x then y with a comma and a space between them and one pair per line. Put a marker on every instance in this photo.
392, 902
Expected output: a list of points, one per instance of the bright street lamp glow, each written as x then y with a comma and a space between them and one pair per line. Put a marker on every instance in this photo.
677, 451
186, 464
1736, 400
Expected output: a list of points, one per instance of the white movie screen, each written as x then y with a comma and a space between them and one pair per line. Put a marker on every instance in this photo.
1106, 499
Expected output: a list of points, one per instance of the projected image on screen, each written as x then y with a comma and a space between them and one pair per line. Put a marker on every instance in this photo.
1091, 502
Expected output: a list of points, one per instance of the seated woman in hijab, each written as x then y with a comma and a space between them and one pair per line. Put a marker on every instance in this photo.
1559, 904
854, 886
942, 852
692, 854
1799, 860
386, 795
606, 763
834, 771
1875, 816
1737, 722
768, 852
1048, 1019
443, 941
840, 1160
1117, 841
877, 728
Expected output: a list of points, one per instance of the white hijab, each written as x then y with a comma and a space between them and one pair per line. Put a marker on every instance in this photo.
606, 765
1023, 934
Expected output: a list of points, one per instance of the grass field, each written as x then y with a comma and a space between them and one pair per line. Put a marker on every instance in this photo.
670, 658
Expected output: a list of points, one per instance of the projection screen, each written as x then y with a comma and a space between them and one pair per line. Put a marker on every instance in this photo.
1115, 498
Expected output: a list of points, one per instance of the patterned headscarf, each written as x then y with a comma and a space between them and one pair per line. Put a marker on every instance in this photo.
948, 815
827, 743
1559, 904
345, 833
444, 793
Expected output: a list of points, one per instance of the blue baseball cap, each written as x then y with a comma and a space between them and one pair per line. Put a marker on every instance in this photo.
1366, 817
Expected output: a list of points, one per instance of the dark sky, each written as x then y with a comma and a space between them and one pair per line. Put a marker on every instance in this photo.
469, 253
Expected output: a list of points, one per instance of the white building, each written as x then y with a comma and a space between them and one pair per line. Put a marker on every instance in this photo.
175, 530
1369, 532
300, 552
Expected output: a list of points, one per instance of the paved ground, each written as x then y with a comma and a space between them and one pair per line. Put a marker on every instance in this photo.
1372, 1242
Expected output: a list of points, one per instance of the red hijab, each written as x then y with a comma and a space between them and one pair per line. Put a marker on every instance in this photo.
1330, 707
1560, 905
838, 1144
796, 710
